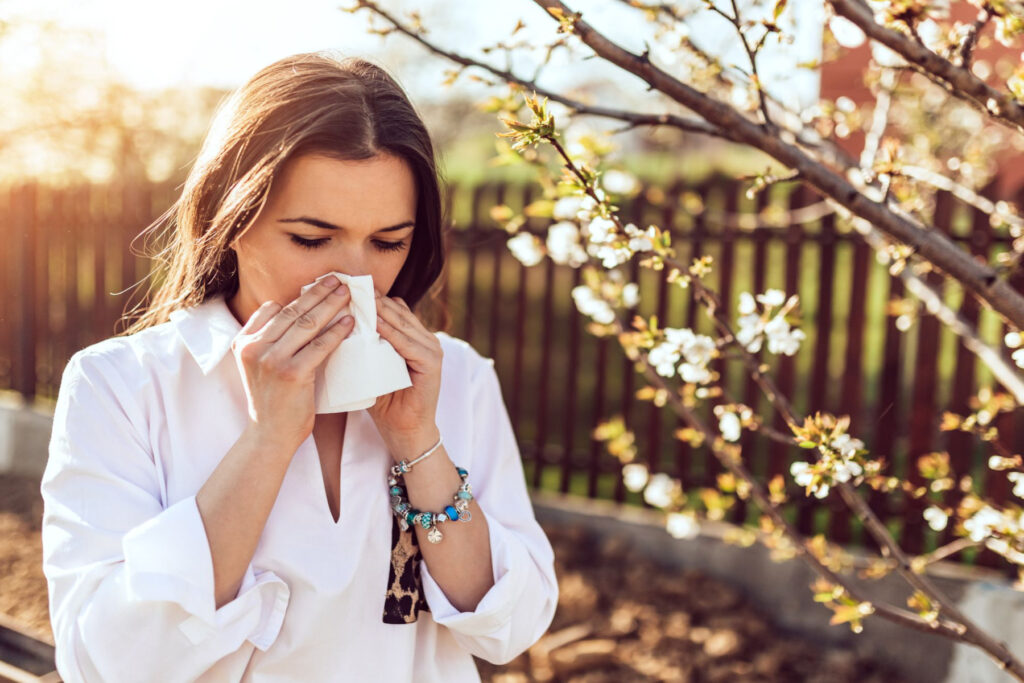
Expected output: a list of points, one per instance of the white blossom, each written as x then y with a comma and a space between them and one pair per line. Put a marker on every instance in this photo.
659, 490
694, 374
1018, 483
846, 445
801, 472
619, 182
664, 357
631, 295
587, 206
682, 525
729, 425
566, 208
682, 342
1018, 357
700, 350
591, 305
847, 469
749, 334
680, 336
640, 244
982, 522
527, 248
610, 256
634, 476
821, 491
772, 297
1013, 339
936, 518
601, 230
747, 304
781, 339
564, 246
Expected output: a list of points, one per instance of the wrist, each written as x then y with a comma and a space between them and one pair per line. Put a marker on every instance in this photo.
410, 445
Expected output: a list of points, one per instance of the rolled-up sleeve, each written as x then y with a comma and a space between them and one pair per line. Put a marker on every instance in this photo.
131, 586
520, 606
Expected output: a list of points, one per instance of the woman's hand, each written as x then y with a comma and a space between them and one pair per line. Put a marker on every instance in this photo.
407, 418
278, 351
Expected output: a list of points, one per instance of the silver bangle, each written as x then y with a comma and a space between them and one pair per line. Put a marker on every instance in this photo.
405, 465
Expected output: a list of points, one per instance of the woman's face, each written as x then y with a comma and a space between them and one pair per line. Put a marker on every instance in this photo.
355, 217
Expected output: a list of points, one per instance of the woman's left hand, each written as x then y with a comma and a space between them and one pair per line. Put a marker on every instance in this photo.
408, 417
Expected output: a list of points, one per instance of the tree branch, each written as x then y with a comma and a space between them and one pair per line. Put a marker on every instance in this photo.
958, 80
688, 124
978, 278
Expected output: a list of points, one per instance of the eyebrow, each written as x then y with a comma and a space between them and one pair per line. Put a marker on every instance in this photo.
330, 226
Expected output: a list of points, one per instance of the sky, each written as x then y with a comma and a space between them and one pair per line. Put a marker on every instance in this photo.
221, 42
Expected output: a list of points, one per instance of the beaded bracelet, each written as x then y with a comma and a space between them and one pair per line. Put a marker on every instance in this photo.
406, 514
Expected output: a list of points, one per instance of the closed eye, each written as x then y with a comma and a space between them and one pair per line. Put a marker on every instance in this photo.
381, 245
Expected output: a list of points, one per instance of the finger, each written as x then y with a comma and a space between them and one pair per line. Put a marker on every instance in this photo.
260, 317
313, 354
408, 347
419, 354
403, 319
304, 317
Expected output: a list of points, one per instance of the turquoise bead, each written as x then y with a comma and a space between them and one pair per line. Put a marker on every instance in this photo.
461, 472
465, 495
452, 513
425, 520
397, 490
410, 516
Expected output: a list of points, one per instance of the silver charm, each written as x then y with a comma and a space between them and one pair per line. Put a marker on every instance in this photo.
403, 525
434, 535
465, 515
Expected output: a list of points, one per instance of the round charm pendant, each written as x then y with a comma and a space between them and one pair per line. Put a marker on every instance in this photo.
465, 516
434, 535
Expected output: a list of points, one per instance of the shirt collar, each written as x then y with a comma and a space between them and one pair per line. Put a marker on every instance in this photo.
207, 330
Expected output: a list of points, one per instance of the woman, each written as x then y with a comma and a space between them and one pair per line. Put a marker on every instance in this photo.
202, 521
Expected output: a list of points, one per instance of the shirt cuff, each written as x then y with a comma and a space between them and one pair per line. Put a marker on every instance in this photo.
509, 560
167, 558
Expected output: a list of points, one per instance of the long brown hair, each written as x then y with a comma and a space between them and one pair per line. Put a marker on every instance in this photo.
343, 108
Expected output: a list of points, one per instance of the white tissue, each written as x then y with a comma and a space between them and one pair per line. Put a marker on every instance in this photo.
364, 366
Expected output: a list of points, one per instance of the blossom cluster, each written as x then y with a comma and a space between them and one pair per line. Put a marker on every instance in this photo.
837, 465
596, 299
695, 351
731, 419
755, 327
581, 230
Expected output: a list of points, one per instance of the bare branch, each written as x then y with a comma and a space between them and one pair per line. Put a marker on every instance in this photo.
958, 80
688, 124
978, 278
971, 39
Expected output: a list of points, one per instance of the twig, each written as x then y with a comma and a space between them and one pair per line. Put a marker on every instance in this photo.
966, 629
978, 278
959, 80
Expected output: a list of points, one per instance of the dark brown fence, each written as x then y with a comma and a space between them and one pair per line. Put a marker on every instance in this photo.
67, 251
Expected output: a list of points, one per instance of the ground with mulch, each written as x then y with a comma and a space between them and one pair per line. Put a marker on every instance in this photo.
616, 622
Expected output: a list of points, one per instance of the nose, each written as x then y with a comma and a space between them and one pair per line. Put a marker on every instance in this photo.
353, 264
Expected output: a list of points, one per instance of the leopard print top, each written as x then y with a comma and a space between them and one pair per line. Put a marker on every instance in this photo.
404, 598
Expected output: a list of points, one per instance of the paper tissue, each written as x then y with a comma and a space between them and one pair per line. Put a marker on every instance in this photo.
364, 366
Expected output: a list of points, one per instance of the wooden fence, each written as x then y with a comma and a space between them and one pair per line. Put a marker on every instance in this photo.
68, 250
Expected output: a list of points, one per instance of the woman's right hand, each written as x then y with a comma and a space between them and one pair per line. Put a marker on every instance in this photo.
278, 351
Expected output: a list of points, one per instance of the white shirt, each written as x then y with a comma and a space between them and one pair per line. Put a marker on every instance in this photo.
140, 424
